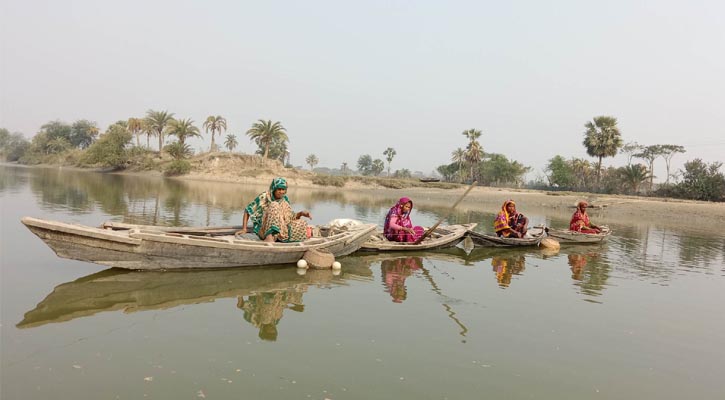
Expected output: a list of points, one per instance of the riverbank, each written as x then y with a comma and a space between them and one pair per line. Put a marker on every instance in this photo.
606, 209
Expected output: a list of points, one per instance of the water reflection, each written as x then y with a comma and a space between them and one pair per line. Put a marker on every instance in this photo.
130, 291
590, 270
506, 267
264, 310
395, 271
159, 201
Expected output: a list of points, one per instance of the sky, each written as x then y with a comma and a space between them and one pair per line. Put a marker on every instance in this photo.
352, 78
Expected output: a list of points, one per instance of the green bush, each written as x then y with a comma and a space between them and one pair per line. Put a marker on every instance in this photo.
177, 167
110, 149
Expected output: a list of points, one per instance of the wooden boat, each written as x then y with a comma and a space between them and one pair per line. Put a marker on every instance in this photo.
429, 180
440, 238
131, 291
143, 247
487, 240
567, 236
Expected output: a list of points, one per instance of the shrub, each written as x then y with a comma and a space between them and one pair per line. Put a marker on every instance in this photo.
326, 180
177, 167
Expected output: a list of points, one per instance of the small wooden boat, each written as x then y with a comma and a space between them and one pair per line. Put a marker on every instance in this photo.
567, 236
487, 240
144, 247
429, 180
440, 238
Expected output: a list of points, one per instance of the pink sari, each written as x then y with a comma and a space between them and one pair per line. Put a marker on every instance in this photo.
396, 220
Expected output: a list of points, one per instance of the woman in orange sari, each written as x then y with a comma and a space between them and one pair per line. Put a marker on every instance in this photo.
580, 220
509, 222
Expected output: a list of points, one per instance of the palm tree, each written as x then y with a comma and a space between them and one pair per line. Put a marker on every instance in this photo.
459, 157
214, 124
231, 142
474, 150
389, 154
634, 175
602, 139
582, 171
146, 129
157, 121
343, 168
183, 129
178, 150
312, 160
135, 126
266, 132
474, 155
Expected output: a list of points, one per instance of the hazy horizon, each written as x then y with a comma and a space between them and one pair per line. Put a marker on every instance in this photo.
354, 79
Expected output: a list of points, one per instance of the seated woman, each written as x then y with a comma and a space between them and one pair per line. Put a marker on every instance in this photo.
272, 216
509, 222
580, 220
398, 227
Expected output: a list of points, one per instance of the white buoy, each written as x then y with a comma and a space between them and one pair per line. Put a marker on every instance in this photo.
336, 265
301, 271
302, 263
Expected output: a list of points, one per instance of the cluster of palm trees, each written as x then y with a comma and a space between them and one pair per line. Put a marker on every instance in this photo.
469, 159
161, 124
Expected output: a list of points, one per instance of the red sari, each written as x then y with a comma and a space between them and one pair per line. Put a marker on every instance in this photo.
580, 223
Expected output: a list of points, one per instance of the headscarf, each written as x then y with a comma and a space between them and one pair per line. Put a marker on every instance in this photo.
397, 210
278, 183
502, 219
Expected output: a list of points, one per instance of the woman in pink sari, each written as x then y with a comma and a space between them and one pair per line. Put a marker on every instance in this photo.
398, 227
580, 220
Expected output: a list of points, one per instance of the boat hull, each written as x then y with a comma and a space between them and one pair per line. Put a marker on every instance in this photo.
566, 236
140, 249
485, 240
441, 238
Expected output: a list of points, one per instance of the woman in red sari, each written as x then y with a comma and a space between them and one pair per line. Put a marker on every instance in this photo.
398, 227
580, 220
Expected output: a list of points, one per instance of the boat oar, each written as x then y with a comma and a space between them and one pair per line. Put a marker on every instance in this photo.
432, 228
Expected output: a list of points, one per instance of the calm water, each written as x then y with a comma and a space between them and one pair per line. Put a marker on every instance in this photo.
638, 318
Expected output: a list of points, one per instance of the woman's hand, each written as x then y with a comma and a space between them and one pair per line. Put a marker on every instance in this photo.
241, 231
303, 214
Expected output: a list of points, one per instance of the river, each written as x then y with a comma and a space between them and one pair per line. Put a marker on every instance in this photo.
638, 317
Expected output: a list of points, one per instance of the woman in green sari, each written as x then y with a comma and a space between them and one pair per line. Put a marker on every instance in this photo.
273, 218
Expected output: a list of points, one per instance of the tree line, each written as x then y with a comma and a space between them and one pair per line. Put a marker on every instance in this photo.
82, 141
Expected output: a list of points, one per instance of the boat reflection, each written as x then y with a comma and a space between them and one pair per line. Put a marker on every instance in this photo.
131, 291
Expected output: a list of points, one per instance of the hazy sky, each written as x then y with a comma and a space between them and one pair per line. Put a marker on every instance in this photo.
353, 78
